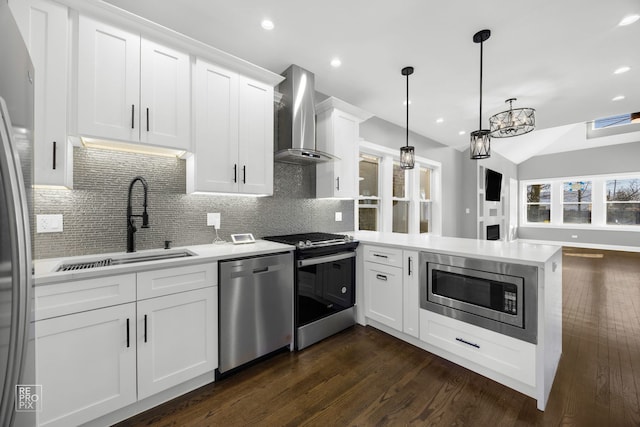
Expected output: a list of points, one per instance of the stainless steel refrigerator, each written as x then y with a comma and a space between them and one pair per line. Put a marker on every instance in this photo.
17, 362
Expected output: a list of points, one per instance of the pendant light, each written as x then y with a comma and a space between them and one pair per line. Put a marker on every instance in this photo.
512, 122
407, 153
480, 144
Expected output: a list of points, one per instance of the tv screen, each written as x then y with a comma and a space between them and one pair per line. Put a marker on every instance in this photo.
492, 185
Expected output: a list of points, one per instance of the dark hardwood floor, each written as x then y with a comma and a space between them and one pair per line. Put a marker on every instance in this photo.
365, 377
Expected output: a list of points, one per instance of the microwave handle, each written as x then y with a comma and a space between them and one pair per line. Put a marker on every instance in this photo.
325, 259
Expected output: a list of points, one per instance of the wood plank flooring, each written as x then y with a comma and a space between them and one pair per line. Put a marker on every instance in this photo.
365, 377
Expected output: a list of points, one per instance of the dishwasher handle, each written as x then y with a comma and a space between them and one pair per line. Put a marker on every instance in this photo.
325, 259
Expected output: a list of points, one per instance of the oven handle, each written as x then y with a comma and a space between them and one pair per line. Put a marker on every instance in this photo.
324, 259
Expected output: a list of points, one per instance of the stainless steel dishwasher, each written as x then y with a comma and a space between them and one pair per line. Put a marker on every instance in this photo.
256, 308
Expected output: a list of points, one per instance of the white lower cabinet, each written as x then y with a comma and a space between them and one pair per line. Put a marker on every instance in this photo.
384, 294
500, 353
86, 364
411, 294
113, 351
177, 339
392, 288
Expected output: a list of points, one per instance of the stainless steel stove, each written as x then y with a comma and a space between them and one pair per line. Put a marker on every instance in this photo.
324, 284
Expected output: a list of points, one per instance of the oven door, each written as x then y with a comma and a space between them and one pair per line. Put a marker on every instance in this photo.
325, 285
495, 296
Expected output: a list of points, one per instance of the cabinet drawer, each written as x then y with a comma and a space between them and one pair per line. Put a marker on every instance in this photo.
82, 295
171, 280
500, 353
382, 255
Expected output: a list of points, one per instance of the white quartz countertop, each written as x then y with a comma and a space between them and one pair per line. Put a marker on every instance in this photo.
515, 251
45, 269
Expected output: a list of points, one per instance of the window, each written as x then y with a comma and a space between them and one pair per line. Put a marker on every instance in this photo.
425, 199
539, 203
588, 202
392, 199
623, 201
369, 200
576, 202
400, 201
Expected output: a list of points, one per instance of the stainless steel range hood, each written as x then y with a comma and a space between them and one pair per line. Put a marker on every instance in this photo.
296, 120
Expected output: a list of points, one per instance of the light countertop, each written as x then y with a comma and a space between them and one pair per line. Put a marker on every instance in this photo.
514, 251
45, 269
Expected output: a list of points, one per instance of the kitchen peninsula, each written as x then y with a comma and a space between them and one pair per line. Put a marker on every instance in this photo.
392, 290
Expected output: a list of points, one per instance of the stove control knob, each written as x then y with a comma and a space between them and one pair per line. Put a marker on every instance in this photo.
301, 244
308, 243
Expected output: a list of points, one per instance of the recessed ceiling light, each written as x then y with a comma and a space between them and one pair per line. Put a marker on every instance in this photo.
621, 70
628, 20
461, 132
439, 120
335, 62
618, 98
405, 103
267, 24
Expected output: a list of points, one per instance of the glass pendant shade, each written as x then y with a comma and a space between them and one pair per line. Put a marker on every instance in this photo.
513, 122
480, 142
407, 157
408, 152
480, 146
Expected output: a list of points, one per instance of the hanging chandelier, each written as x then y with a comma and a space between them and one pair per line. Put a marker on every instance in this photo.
512, 122
407, 153
480, 143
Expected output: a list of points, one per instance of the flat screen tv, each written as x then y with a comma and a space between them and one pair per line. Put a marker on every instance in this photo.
492, 185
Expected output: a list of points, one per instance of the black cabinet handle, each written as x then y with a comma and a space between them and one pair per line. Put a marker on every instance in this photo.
235, 173
381, 277
147, 119
244, 174
128, 343
380, 256
133, 109
409, 266
467, 343
145, 328
54, 155
338, 183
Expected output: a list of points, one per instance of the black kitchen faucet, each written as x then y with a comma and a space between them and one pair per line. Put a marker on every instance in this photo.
131, 228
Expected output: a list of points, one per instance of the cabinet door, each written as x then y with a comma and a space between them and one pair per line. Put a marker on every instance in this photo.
255, 137
86, 364
177, 339
108, 81
214, 166
44, 25
383, 294
165, 86
411, 294
338, 134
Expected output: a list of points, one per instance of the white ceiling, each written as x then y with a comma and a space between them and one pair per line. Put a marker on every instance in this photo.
555, 56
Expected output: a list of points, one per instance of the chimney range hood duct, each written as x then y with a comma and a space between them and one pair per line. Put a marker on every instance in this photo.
296, 120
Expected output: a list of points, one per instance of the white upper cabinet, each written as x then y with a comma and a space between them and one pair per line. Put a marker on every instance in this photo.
233, 147
131, 89
45, 27
255, 150
338, 133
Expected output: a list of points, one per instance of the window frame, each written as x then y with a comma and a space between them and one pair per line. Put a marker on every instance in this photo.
589, 203
598, 203
527, 203
412, 189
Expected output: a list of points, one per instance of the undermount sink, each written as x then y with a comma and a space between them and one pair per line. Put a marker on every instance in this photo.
126, 259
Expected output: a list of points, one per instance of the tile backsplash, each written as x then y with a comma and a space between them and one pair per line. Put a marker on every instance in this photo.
95, 210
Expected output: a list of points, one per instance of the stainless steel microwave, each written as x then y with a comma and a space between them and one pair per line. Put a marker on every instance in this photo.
494, 295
